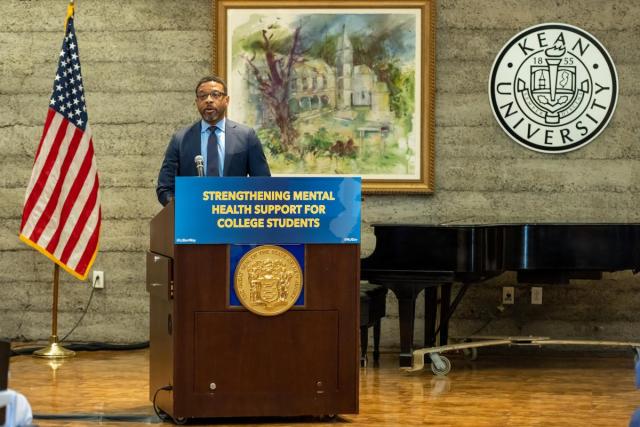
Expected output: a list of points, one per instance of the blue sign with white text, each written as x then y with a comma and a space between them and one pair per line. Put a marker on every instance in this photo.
257, 210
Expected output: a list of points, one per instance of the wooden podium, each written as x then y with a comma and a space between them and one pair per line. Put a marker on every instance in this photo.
224, 361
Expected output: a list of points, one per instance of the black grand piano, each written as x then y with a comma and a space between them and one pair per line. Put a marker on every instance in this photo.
411, 258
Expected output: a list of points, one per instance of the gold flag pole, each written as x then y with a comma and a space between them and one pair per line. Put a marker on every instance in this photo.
54, 350
70, 11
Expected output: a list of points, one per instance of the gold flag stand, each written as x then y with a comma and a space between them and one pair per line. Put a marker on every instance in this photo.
54, 350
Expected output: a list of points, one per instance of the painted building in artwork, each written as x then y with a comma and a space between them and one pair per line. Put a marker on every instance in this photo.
344, 71
316, 87
358, 85
312, 87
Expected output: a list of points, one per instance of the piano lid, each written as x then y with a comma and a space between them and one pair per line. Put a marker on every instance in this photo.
468, 248
433, 248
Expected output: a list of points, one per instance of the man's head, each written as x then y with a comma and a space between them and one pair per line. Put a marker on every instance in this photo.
211, 98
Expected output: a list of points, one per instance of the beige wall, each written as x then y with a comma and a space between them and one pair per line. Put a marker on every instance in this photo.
140, 59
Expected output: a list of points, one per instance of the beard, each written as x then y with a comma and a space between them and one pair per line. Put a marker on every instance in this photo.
212, 114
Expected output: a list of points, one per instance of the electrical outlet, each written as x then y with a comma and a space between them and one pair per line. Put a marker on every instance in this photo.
98, 279
536, 295
508, 295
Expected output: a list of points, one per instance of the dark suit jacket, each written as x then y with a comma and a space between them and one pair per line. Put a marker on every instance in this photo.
243, 156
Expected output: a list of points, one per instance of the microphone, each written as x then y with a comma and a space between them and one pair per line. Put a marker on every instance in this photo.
199, 164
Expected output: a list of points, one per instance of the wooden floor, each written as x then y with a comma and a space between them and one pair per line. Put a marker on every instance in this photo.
518, 389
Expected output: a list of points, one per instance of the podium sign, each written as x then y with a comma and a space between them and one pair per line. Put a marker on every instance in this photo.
258, 210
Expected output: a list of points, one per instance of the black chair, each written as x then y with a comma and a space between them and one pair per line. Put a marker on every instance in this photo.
372, 309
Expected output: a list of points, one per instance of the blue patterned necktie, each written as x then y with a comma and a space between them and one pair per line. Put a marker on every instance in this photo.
212, 153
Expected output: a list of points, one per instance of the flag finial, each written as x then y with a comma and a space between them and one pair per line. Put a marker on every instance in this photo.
70, 9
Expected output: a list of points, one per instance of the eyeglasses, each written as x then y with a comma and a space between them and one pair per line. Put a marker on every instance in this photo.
213, 94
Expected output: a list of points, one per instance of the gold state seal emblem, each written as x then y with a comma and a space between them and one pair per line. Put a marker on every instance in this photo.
268, 280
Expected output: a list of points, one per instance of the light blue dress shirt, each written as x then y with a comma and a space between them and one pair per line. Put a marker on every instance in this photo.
204, 141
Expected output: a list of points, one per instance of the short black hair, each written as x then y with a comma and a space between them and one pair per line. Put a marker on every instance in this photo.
212, 78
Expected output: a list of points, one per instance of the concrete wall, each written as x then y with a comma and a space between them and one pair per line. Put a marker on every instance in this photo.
140, 59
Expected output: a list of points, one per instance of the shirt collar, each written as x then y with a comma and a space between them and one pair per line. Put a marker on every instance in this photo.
204, 126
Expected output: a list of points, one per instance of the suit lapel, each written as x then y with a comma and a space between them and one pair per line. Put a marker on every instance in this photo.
191, 147
230, 142
192, 139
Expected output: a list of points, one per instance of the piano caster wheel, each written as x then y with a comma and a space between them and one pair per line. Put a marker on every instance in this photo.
470, 353
180, 420
443, 370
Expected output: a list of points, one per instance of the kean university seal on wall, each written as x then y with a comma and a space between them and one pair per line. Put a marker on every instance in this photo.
553, 88
268, 280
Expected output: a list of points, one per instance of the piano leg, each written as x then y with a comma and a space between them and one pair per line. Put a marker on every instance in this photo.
406, 314
406, 296
430, 310
445, 302
376, 342
364, 344
430, 313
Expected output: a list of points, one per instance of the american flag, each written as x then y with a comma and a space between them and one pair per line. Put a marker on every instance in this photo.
61, 216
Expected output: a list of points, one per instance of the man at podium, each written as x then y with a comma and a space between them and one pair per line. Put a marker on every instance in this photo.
212, 146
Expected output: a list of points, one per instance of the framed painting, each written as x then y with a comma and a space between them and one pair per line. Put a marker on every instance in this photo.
334, 87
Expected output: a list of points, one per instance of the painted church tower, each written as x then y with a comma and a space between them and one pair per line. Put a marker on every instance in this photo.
344, 71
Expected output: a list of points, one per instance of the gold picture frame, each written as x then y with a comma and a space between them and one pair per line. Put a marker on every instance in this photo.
334, 87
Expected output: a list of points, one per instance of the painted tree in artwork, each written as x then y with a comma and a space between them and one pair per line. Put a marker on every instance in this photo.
301, 101
271, 60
